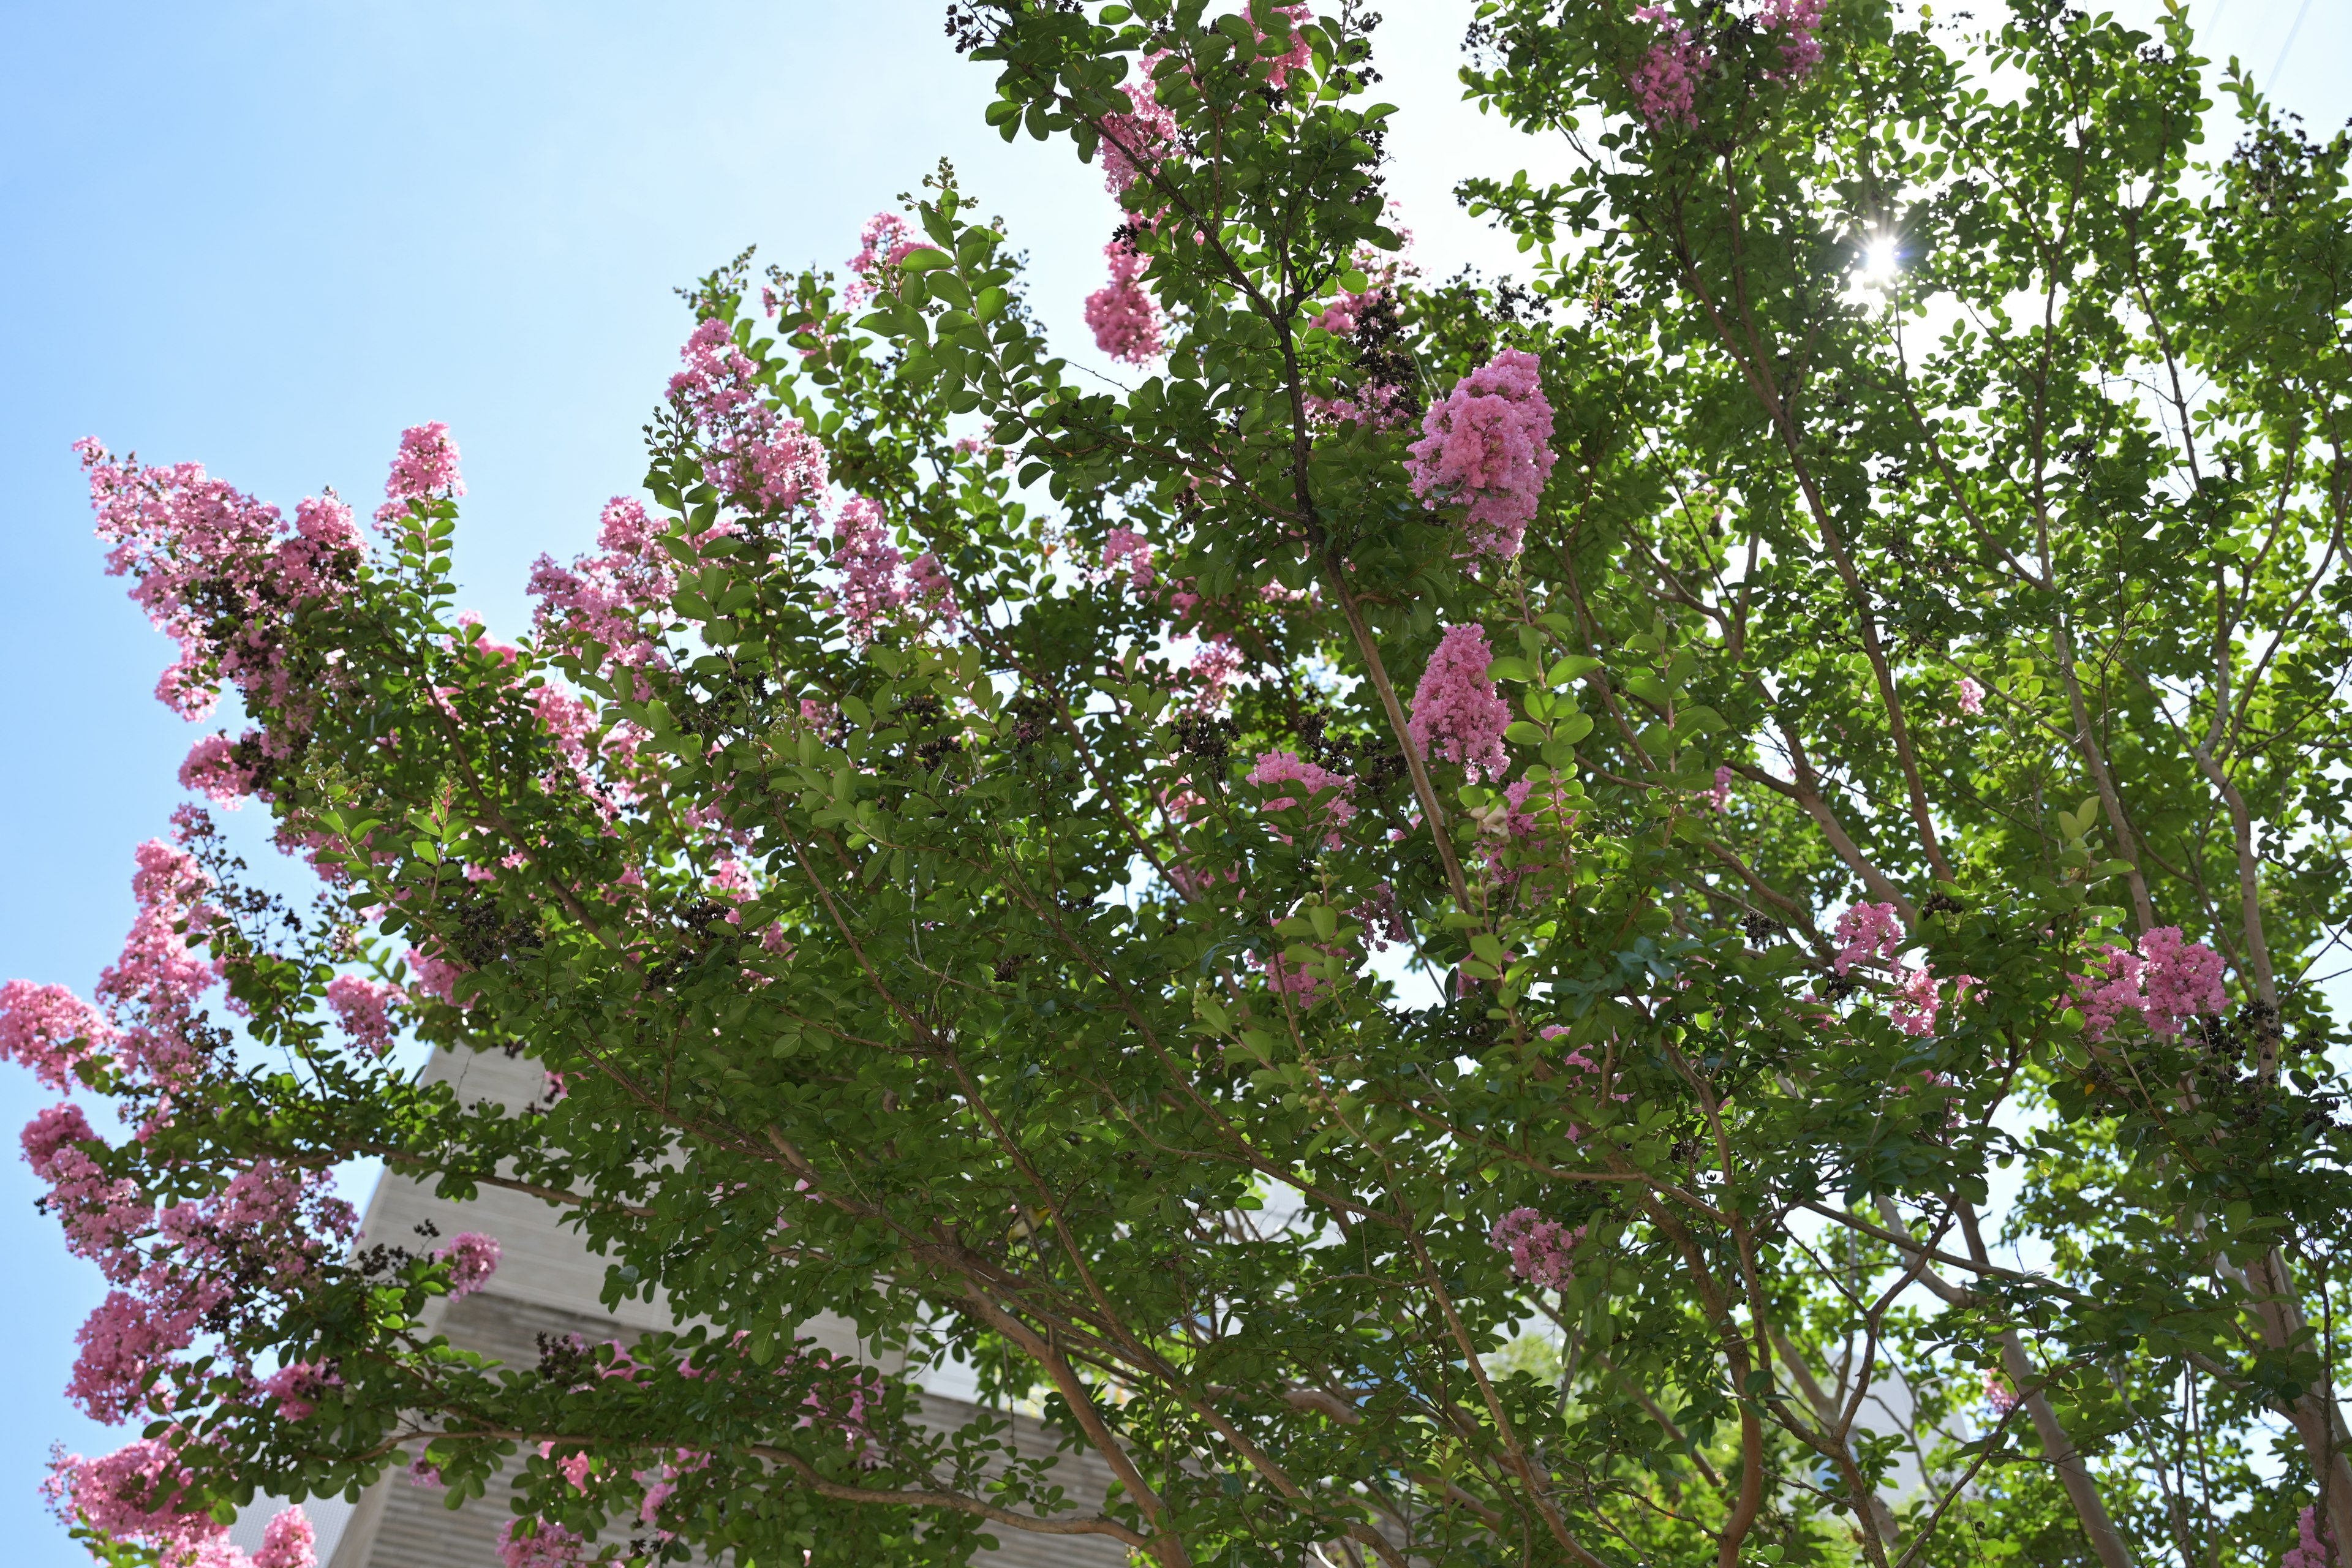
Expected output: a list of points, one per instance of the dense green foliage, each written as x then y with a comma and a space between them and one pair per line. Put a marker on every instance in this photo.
1014, 1088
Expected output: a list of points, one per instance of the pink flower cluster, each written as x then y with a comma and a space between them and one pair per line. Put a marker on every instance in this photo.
1869, 933
754, 455
1214, 664
1455, 711
605, 599
359, 1006
1298, 56
1123, 318
1288, 767
1999, 1396
1128, 555
1796, 21
1134, 143
136, 1497
870, 566
1543, 1251
424, 469
2168, 981
297, 1386
472, 1259
270, 1224
1873, 935
2308, 1550
1487, 448
287, 1540
50, 1030
884, 242
1971, 696
536, 1544
218, 572
212, 769
1665, 84
1292, 979
151, 991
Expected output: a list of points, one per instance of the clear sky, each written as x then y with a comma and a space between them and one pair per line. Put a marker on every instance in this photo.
267, 236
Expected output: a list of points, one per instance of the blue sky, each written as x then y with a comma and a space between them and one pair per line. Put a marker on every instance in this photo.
267, 237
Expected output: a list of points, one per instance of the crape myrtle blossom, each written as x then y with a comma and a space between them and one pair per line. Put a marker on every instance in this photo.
136, 1497
754, 455
472, 1257
883, 243
1542, 1250
1873, 934
605, 599
214, 769
271, 1224
219, 573
1127, 555
536, 1544
1795, 22
1456, 714
2308, 1550
1970, 696
1134, 143
1288, 767
1486, 447
1665, 83
2168, 982
50, 1030
1124, 319
1868, 933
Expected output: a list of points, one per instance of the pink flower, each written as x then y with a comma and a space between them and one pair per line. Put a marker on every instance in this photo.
545, 1546
754, 456
2168, 982
1868, 933
1487, 448
576, 1468
50, 1030
1214, 664
1971, 696
472, 1259
2308, 1550
1129, 553
435, 976
426, 466
135, 1496
297, 1388
288, 1541
1339, 317
125, 1338
928, 585
212, 769
1288, 767
359, 1007
605, 599
869, 566
1542, 1250
1124, 319
1298, 55
423, 1472
1917, 1001
1665, 84
1133, 144
1455, 711
1719, 797
1798, 20
884, 242
1997, 1394
220, 573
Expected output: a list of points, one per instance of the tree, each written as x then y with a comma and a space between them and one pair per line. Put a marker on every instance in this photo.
1832, 692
